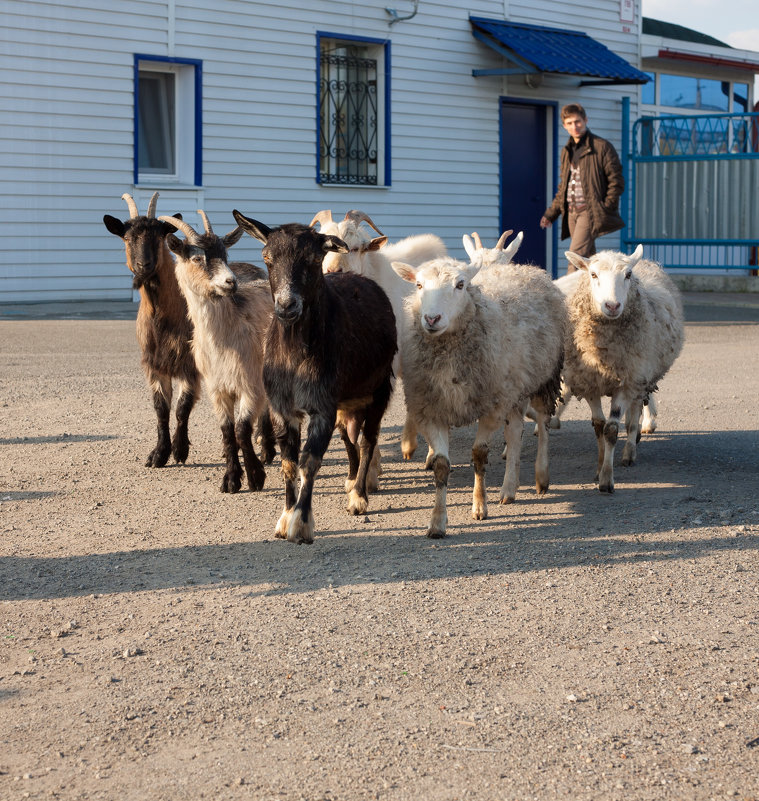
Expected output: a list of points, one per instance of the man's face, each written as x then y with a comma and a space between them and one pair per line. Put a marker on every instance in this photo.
575, 126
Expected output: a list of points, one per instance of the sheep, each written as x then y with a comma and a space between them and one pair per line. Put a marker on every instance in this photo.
329, 355
480, 352
230, 306
626, 330
372, 257
163, 329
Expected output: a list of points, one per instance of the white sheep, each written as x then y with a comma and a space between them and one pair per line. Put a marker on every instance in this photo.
372, 257
480, 352
626, 330
230, 306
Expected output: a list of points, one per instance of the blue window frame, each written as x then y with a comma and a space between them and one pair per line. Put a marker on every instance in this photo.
168, 111
353, 110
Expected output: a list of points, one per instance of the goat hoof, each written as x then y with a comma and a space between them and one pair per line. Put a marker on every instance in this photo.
282, 524
627, 461
180, 449
157, 457
435, 533
479, 512
607, 488
372, 484
256, 481
301, 531
356, 504
554, 422
231, 483
541, 489
507, 499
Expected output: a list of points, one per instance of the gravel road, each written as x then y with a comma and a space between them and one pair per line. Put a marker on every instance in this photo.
158, 643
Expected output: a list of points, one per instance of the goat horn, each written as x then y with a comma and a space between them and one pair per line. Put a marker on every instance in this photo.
206, 223
477, 240
322, 217
359, 216
184, 227
151, 206
502, 241
132, 205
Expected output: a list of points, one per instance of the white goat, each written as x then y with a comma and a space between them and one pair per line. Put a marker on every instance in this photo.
480, 352
483, 257
231, 307
626, 330
372, 257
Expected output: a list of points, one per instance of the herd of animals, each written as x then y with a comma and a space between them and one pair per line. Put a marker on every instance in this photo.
338, 314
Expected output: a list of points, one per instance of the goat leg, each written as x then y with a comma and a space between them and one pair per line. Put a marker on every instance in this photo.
267, 438
162, 405
232, 480
254, 470
180, 445
288, 439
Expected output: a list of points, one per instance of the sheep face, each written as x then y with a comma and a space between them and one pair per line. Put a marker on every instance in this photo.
441, 292
611, 279
293, 254
143, 238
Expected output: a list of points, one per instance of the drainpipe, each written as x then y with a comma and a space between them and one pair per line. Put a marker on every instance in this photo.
624, 205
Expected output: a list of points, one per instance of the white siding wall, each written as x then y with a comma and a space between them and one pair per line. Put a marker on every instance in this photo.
67, 100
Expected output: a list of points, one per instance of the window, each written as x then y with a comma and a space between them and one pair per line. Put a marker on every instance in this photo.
740, 97
167, 121
686, 92
353, 124
648, 90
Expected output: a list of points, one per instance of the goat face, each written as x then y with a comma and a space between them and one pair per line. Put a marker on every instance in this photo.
611, 279
293, 255
359, 246
143, 238
203, 266
441, 292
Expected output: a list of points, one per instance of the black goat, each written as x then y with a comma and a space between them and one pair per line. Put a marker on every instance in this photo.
163, 329
329, 355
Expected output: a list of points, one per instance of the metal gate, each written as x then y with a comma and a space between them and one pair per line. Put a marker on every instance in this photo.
695, 190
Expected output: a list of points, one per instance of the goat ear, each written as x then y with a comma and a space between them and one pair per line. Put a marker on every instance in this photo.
636, 256
333, 244
114, 225
405, 271
253, 227
377, 243
469, 246
232, 238
513, 247
174, 243
576, 259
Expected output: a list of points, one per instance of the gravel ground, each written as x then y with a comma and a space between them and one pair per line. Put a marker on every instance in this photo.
158, 643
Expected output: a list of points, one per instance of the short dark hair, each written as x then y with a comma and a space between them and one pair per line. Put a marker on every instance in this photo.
572, 109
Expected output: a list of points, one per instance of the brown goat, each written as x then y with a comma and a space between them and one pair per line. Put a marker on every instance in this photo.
163, 329
329, 355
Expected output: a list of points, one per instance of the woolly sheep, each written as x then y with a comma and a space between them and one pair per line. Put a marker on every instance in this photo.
480, 352
626, 330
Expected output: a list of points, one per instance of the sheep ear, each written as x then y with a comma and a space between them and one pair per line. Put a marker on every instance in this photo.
576, 259
232, 237
114, 225
333, 244
469, 246
405, 271
510, 251
636, 256
253, 227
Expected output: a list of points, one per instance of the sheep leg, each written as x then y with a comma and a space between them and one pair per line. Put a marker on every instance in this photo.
358, 501
512, 432
598, 421
409, 437
650, 411
180, 445
541, 457
561, 406
254, 470
320, 427
441, 467
485, 428
610, 434
161, 386
288, 439
630, 452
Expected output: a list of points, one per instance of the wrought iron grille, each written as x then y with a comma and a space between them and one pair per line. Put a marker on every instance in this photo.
348, 129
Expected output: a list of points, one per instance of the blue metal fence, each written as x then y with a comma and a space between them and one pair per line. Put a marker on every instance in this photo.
694, 199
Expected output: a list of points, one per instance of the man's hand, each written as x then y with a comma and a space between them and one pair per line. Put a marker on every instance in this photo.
545, 222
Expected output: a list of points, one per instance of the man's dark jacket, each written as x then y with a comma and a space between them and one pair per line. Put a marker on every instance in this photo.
602, 184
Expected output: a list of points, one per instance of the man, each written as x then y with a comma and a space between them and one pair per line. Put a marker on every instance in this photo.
590, 184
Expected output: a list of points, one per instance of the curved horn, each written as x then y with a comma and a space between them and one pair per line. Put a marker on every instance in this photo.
206, 224
322, 217
151, 206
184, 227
356, 216
477, 240
502, 241
132, 205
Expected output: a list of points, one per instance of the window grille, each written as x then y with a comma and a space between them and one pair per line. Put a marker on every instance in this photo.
348, 119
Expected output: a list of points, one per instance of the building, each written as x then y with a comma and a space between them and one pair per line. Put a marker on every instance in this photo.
429, 117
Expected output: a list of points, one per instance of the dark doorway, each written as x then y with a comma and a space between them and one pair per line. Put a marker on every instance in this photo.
524, 177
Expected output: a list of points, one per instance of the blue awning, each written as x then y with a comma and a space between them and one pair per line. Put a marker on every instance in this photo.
536, 48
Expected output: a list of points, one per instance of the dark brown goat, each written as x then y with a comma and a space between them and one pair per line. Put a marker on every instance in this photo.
163, 329
329, 355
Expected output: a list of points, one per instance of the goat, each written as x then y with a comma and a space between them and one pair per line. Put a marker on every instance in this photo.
329, 355
163, 329
230, 307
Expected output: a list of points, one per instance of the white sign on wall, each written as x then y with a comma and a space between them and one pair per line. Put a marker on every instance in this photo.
627, 10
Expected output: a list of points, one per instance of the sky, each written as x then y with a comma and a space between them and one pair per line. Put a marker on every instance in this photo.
735, 22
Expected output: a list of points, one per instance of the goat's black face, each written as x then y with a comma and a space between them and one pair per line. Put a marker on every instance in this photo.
143, 238
293, 254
